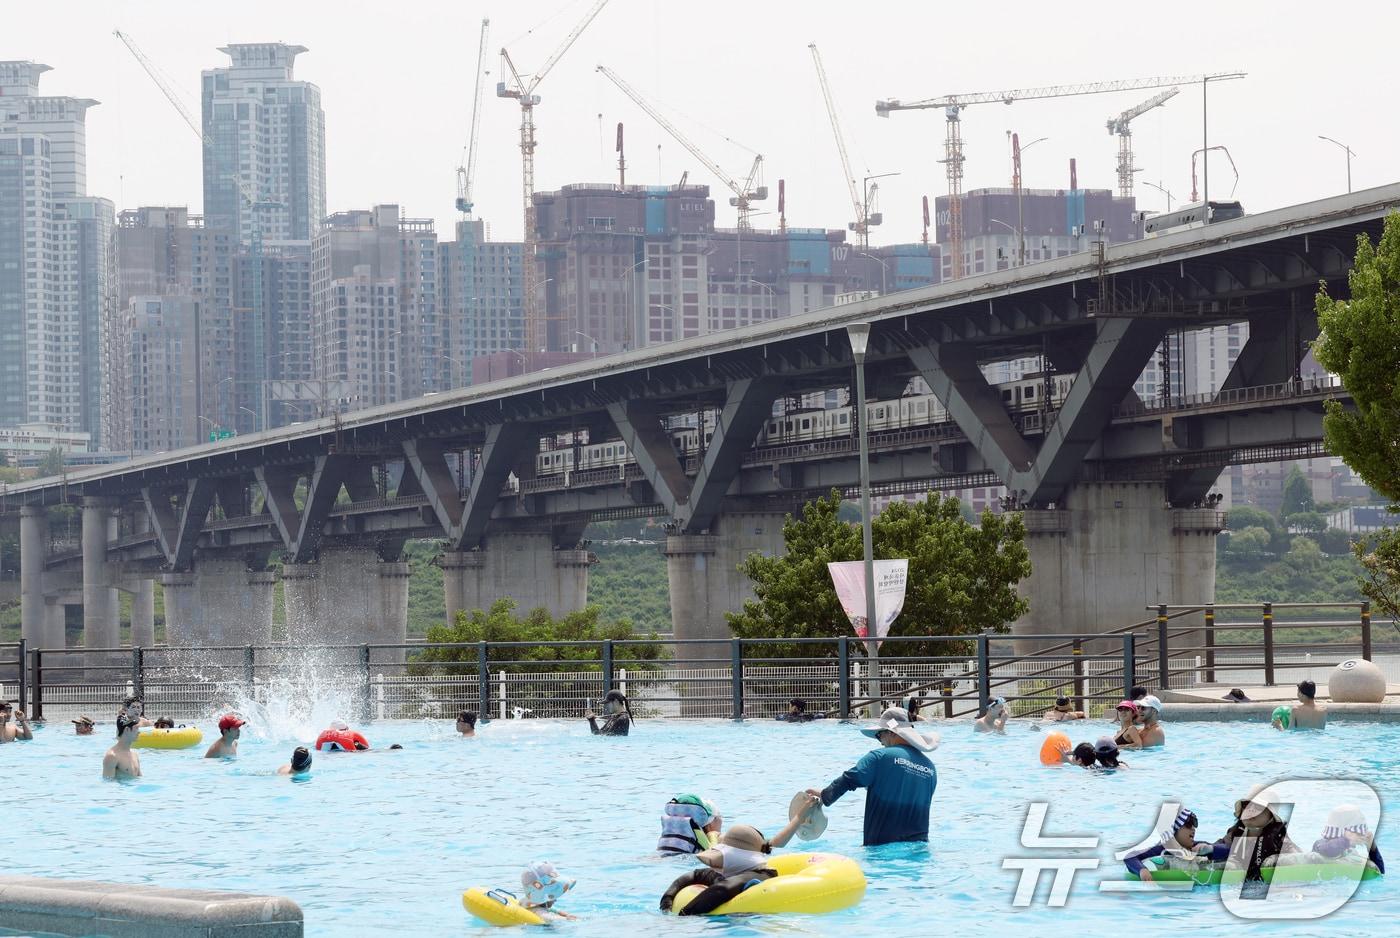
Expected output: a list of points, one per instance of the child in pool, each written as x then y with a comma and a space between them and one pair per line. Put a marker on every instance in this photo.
1347, 837
738, 861
543, 888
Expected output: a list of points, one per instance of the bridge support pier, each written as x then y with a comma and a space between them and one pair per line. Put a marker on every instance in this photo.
348, 597
101, 610
33, 547
219, 602
143, 614
705, 580
1108, 551
523, 566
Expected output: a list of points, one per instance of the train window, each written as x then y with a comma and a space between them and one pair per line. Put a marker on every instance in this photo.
1006, 396
880, 414
772, 426
1030, 393
787, 425
806, 424
707, 438
921, 407
843, 418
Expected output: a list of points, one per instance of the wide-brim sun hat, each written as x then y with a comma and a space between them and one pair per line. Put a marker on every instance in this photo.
896, 720
815, 823
1252, 800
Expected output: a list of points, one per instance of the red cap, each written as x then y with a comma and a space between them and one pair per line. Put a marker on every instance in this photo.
229, 721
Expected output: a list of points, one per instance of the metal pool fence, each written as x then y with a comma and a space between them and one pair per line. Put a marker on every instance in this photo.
1180, 647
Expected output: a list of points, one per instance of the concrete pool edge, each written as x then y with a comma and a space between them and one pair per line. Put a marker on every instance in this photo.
76, 907
1261, 712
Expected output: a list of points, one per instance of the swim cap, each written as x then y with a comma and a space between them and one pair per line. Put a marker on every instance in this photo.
301, 759
1284, 715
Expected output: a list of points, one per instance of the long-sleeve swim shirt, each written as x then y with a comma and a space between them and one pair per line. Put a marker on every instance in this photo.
899, 782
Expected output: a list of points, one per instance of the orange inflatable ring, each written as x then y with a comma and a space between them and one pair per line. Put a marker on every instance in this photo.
1052, 751
340, 741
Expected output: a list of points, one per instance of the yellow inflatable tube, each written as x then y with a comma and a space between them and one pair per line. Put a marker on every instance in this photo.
495, 907
180, 738
809, 883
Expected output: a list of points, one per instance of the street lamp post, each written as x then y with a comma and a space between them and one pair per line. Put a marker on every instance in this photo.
1164, 192
254, 414
884, 271
859, 334
865, 193
1020, 212
1350, 154
590, 339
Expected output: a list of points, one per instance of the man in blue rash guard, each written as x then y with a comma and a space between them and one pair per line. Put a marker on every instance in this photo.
899, 781
1178, 838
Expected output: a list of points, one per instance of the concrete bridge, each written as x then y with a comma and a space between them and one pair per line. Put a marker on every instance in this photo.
1111, 486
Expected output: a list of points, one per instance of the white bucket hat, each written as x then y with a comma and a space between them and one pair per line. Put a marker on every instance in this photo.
896, 720
815, 823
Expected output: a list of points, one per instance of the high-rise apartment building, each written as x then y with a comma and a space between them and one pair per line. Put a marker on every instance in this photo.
375, 331
481, 302
266, 167
56, 272
170, 265
273, 363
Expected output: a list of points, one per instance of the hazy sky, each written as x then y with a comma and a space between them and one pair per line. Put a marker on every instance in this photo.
396, 80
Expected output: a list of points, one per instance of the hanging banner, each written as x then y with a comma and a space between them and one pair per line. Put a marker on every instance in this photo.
890, 577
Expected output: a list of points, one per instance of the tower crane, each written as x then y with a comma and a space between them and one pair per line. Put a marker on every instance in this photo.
860, 202
259, 357
953, 105
466, 172
1120, 125
536, 326
747, 192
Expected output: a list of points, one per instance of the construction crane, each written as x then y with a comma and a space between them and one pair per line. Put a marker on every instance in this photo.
746, 193
255, 206
953, 105
1120, 125
536, 326
860, 202
466, 171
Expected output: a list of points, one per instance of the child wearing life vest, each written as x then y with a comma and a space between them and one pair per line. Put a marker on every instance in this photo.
689, 824
738, 861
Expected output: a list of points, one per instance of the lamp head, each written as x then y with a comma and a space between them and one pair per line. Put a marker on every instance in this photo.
859, 334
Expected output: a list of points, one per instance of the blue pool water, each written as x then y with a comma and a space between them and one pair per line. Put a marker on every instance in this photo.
388, 840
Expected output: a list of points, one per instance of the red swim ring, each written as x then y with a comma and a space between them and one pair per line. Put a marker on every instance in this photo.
340, 741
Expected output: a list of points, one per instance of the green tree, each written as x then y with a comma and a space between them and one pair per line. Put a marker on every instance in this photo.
1360, 342
1250, 542
1304, 556
500, 623
962, 578
1297, 494
51, 464
1308, 522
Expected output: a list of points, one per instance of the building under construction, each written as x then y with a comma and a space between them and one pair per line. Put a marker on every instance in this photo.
628, 266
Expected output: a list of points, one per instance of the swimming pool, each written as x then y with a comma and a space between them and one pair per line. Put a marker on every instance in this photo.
388, 840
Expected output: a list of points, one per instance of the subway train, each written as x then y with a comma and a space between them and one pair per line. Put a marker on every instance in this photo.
560, 455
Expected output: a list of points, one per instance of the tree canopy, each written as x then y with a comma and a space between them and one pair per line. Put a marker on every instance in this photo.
500, 623
1297, 495
962, 578
1360, 341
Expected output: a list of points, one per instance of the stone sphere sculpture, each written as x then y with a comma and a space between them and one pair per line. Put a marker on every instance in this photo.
1356, 680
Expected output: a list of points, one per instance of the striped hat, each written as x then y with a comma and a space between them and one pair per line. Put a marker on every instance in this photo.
1183, 817
1343, 818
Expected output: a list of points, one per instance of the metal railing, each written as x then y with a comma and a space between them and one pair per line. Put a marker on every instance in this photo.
1181, 647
